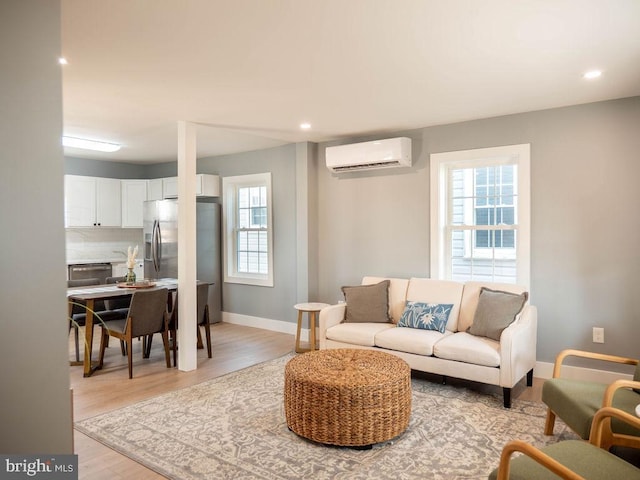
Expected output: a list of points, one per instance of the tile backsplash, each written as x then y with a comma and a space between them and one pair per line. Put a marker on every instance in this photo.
102, 244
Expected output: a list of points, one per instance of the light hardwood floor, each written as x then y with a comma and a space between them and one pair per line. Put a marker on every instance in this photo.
234, 347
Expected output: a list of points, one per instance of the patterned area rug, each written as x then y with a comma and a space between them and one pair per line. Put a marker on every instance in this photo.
233, 427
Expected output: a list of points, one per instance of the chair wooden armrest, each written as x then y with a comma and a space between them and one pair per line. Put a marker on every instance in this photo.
536, 455
607, 400
592, 355
601, 433
602, 423
597, 439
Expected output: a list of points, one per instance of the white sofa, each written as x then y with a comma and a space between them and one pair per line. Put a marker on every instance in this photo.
454, 353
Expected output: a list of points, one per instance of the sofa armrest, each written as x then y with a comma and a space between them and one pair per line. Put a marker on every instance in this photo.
518, 347
329, 316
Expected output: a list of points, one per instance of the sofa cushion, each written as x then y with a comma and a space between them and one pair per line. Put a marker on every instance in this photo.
357, 333
397, 294
410, 340
496, 311
437, 291
463, 347
367, 303
470, 296
426, 316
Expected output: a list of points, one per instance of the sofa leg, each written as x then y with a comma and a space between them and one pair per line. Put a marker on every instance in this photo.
444, 380
530, 378
506, 392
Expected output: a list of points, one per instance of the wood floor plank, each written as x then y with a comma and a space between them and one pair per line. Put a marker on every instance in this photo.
234, 347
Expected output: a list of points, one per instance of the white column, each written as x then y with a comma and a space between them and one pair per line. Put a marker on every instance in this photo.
187, 299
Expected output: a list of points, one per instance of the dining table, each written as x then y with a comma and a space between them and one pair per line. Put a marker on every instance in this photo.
88, 295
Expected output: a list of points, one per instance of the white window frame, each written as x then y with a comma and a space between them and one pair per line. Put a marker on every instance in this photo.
230, 186
440, 237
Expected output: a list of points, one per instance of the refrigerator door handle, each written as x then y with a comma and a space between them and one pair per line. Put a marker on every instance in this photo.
158, 243
159, 247
154, 246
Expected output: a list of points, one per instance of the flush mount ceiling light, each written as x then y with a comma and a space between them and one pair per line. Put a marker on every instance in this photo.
590, 75
305, 126
62, 61
90, 144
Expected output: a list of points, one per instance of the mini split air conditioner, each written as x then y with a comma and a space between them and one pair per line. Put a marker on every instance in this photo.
388, 153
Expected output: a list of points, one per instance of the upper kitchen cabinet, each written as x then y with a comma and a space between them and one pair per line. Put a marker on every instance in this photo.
134, 193
206, 186
154, 189
92, 201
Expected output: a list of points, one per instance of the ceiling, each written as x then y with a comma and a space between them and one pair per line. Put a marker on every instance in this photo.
249, 72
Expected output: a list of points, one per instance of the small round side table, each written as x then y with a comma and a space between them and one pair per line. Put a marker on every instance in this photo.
312, 309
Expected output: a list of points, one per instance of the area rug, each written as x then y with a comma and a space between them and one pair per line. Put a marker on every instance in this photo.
233, 427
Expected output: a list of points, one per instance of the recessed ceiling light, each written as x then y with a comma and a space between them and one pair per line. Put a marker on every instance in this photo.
62, 61
590, 75
305, 126
90, 144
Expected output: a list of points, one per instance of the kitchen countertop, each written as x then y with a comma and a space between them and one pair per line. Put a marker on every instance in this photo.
86, 261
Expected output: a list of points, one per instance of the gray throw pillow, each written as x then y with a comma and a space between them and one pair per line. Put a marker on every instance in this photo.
496, 311
367, 303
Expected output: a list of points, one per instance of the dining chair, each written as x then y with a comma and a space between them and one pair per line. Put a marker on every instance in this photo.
202, 317
120, 304
147, 316
78, 312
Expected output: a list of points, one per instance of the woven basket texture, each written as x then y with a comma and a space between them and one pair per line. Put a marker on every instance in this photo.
347, 397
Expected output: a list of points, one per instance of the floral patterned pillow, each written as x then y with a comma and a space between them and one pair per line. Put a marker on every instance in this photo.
427, 316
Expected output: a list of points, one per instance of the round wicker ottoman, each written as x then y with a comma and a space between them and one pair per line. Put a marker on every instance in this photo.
347, 397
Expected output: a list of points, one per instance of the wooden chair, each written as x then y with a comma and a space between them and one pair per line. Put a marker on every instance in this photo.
78, 313
570, 459
577, 401
120, 304
147, 316
202, 316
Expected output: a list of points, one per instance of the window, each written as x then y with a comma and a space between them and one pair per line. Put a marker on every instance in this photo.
480, 215
248, 249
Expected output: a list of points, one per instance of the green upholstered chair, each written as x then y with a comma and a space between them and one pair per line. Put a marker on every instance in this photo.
577, 401
569, 459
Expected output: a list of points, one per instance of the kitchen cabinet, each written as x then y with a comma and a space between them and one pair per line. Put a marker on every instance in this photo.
206, 186
134, 194
92, 201
170, 187
154, 189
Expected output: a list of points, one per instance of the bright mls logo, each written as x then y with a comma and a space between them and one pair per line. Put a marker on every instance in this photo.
50, 467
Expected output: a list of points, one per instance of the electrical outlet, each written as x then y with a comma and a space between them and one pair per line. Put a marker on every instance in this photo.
598, 335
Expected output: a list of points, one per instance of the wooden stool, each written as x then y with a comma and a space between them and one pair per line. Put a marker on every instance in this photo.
312, 309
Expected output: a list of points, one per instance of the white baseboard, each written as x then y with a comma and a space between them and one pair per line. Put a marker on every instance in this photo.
265, 323
545, 370
541, 370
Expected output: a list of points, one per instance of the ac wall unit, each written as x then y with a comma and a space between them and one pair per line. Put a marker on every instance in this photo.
388, 153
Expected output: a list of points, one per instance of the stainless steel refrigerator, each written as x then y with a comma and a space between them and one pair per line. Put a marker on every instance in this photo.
161, 246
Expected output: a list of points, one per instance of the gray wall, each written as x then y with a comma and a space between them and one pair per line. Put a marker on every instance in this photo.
97, 168
35, 406
266, 302
585, 165
585, 227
